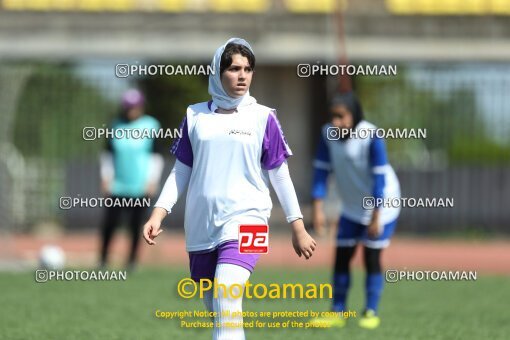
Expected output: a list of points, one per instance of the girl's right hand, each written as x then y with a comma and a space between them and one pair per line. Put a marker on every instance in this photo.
319, 222
106, 188
319, 218
151, 230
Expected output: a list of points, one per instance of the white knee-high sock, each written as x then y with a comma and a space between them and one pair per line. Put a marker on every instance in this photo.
232, 278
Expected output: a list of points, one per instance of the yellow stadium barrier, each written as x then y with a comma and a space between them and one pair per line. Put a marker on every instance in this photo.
249, 6
317, 6
448, 7
171, 5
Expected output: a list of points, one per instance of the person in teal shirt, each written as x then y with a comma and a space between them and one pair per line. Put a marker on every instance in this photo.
130, 169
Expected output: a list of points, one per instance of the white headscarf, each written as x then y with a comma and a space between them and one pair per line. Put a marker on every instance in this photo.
219, 96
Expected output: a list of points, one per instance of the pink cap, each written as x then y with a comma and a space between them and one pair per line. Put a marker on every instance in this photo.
132, 98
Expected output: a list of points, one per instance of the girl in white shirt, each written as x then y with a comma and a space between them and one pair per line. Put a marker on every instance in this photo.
231, 148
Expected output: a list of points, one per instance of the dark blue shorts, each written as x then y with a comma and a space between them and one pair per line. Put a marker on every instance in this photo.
351, 233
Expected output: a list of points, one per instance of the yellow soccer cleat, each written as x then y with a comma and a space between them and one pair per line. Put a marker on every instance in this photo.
328, 322
369, 320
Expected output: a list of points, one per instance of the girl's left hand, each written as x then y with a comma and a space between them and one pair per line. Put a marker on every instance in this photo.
302, 242
374, 228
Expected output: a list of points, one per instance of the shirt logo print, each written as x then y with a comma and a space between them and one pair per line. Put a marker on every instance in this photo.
239, 132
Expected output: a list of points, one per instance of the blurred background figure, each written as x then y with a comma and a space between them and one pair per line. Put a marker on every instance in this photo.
361, 169
130, 168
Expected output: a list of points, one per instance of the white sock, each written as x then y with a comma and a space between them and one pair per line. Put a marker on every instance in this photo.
224, 305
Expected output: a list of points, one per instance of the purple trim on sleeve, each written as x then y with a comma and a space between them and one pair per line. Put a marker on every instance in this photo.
209, 103
181, 147
274, 146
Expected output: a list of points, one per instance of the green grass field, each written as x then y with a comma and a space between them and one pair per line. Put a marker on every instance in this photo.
125, 309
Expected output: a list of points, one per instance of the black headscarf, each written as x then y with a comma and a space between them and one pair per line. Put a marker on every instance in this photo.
351, 102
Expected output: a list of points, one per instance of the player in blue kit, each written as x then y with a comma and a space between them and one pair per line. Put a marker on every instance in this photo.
231, 149
363, 175
130, 168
